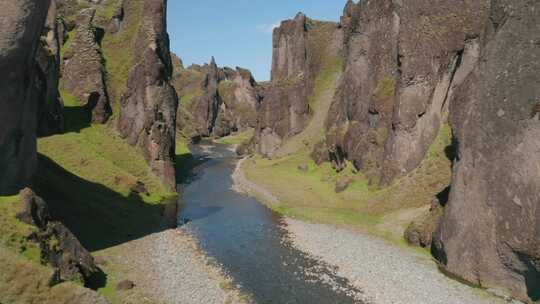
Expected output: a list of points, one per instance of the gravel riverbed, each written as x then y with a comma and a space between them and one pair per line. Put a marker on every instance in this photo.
186, 275
386, 274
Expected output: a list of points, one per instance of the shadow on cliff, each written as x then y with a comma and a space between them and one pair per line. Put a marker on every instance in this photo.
184, 166
76, 118
98, 216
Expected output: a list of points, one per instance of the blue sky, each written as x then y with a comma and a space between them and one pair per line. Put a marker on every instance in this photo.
237, 32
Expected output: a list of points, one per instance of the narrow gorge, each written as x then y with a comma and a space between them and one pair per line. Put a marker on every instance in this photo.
390, 157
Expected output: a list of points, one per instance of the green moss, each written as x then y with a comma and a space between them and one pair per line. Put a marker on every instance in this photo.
106, 11
385, 89
186, 99
226, 91
14, 233
67, 43
188, 84
118, 51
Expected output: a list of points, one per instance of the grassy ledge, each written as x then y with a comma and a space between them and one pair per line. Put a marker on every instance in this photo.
237, 138
384, 212
92, 181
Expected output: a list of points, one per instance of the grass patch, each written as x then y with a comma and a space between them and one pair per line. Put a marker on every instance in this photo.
236, 139
118, 50
188, 83
88, 176
14, 233
310, 195
24, 281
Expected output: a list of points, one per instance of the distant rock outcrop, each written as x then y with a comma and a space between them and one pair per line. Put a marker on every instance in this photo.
302, 48
21, 22
148, 108
490, 230
215, 101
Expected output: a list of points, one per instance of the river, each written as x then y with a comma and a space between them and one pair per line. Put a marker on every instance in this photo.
249, 241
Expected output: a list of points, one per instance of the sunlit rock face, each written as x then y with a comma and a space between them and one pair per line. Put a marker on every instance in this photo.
303, 49
148, 107
402, 61
215, 101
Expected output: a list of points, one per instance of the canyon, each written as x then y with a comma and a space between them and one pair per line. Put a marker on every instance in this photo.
410, 120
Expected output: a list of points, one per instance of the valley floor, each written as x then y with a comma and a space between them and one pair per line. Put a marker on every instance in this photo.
385, 271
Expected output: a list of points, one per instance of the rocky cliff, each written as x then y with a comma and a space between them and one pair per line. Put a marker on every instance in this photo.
215, 101
148, 107
490, 230
303, 49
50, 111
22, 23
83, 73
400, 68
413, 69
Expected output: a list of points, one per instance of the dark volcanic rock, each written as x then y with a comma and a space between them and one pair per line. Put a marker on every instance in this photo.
58, 245
83, 71
148, 108
400, 69
50, 115
490, 230
21, 22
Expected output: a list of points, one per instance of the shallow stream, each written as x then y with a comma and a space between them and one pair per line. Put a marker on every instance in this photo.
249, 241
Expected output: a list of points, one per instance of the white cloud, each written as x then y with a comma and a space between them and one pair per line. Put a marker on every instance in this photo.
268, 28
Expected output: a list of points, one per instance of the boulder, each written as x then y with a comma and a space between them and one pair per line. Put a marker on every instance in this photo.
125, 285
420, 231
59, 247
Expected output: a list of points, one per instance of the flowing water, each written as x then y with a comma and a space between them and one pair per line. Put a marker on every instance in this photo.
249, 241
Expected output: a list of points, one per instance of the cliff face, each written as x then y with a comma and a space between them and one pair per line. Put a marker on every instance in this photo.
490, 230
22, 23
83, 71
148, 107
302, 50
399, 72
51, 111
215, 101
